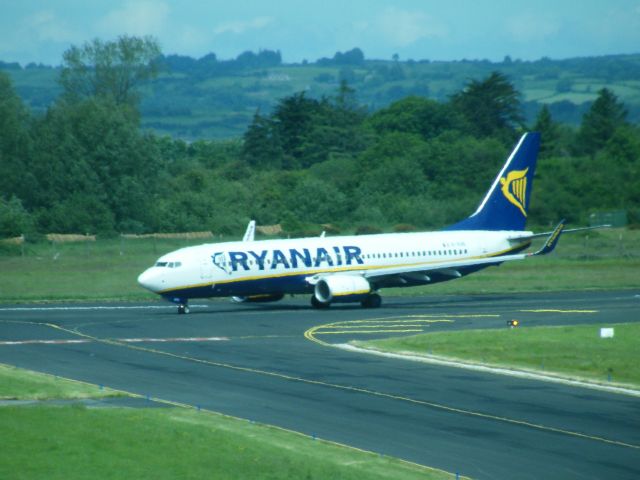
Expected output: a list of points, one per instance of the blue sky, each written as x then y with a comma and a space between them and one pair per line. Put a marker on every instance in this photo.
41, 30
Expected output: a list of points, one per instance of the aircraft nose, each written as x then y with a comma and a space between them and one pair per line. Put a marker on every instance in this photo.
149, 280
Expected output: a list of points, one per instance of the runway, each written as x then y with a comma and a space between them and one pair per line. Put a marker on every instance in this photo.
255, 362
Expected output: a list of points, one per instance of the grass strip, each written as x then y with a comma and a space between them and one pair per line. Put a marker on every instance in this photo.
19, 384
76, 442
574, 351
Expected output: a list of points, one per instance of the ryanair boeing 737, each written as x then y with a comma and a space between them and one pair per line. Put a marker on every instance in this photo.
355, 268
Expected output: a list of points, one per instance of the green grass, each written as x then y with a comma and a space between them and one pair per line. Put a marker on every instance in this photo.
25, 385
108, 269
75, 442
576, 351
539, 275
102, 270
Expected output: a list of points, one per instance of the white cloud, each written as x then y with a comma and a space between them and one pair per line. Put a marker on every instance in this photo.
403, 27
527, 27
189, 39
138, 17
46, 26
239, 27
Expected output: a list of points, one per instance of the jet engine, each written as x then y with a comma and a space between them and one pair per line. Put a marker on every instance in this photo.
341, 288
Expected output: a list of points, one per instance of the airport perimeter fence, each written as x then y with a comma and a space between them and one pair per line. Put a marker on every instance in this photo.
55, 244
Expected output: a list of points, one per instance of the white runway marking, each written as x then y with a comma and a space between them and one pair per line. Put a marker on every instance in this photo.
124, 340
90, 308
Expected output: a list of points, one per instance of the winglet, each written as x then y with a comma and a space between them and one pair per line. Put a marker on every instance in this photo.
552, 240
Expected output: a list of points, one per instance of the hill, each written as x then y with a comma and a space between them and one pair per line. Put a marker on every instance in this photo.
208, 98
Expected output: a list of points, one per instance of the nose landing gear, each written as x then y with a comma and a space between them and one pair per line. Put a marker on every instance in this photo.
182, 303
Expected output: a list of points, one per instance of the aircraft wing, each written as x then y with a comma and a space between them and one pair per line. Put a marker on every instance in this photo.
452, 267
448, 268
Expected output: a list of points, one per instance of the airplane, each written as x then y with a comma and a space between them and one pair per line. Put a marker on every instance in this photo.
354, 268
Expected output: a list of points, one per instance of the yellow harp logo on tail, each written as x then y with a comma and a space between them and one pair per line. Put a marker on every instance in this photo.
514, 188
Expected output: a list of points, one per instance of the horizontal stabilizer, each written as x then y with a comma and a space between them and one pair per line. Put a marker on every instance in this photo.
530, 236
552, 241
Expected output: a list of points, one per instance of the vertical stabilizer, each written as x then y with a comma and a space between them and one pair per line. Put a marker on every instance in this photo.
506, 204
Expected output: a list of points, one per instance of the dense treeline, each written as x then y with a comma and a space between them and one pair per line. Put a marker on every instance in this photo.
85, 166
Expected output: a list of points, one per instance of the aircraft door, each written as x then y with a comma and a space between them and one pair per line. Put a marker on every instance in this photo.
206, 268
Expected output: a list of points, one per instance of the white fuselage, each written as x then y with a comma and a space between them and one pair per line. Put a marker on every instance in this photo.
289, 266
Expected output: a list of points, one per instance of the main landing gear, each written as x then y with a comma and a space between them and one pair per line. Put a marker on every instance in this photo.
372, 301
183, 308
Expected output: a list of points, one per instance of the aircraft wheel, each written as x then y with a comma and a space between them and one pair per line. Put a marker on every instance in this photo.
182, 309
315, 303
372, 301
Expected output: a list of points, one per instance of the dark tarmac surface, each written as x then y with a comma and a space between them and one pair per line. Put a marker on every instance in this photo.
254, 362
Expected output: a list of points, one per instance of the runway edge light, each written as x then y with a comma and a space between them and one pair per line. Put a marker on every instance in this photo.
513, 323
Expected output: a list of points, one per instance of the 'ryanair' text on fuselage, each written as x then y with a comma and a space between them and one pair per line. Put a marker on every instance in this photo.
272, 259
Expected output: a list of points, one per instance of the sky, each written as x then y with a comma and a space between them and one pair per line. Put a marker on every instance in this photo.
40, 31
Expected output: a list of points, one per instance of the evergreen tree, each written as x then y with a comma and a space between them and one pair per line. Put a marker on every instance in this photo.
549, 132
15, 143
491, 107
600, 122
293, 119
262, 146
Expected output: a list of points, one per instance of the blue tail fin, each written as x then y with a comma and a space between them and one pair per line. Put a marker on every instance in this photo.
506, 204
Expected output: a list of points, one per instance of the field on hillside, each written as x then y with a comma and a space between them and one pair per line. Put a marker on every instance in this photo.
218, 105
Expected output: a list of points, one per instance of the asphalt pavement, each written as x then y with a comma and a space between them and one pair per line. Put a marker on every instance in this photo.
255, 362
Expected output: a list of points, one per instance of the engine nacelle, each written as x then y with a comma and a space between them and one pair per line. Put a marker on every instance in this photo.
267, 297
341, 288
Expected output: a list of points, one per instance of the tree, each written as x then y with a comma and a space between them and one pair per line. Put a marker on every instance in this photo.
14, 219
293, 119
416, 115
15, 142
549, 132
600, 122
491, 106
93, 169
111, 69
261, 146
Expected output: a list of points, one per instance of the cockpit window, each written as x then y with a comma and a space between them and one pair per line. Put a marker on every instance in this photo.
169, 264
